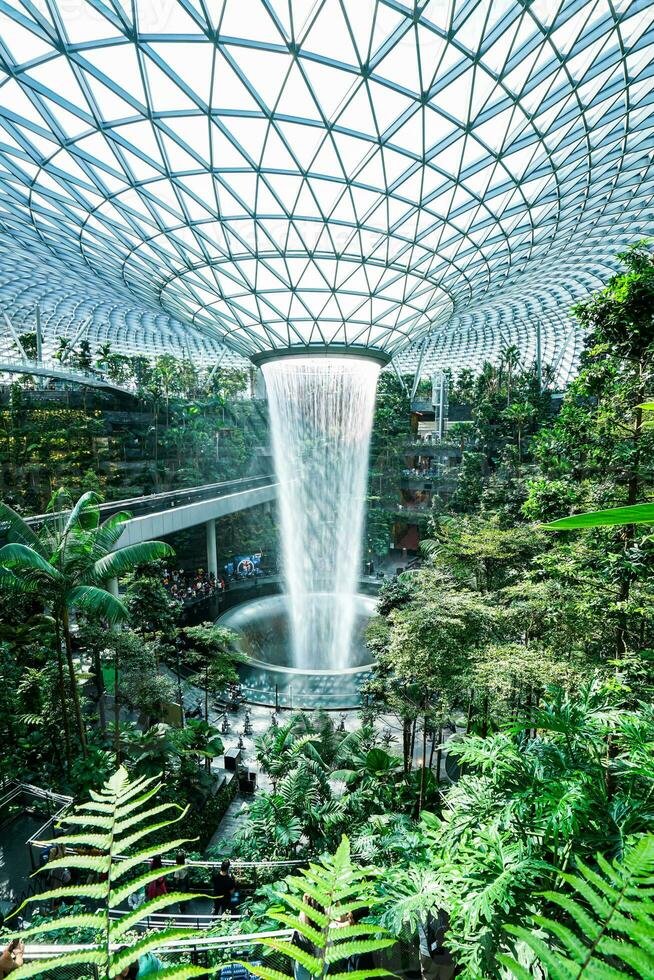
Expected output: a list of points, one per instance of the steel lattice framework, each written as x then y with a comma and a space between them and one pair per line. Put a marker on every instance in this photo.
281, 173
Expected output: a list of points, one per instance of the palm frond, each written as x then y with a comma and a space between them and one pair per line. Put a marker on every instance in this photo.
125, 560
97, 601
26, 559
19, 530
18, 586
84, 514
109, 534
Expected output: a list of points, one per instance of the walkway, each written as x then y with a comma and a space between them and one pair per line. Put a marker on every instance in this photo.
157, 515
55, 369
232, 821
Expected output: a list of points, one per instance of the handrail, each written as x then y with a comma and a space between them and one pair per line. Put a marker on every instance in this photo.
35, 841
61, 371
35, 951
113, 505
177, 920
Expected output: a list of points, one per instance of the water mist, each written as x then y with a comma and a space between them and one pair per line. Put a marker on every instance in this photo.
321, 411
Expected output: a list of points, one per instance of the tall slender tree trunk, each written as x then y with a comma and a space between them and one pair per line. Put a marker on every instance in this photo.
62, 696
470, 713
100, 688
633, 487
484, 723
406, 742
79, 718
180, 693
439, 755
81, 731
421, 799
207, 760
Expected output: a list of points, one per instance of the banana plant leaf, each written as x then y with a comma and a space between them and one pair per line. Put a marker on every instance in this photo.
614, 516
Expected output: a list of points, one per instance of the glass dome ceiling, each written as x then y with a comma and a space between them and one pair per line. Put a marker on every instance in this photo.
280, 173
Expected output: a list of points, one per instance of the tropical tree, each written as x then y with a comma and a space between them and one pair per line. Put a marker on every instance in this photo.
66, 566
279, 748
212, 651
201, 741
519, 415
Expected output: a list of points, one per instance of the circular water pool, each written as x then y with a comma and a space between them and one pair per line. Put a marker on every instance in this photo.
269, 676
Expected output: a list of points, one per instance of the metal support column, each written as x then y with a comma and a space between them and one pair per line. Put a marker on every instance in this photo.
212, 558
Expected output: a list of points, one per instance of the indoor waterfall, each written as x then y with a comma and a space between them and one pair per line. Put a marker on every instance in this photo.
321, 411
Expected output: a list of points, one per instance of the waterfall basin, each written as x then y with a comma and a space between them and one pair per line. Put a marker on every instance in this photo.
263, 627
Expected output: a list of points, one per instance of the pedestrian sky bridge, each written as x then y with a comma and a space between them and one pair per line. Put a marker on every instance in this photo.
161, 514
60, 372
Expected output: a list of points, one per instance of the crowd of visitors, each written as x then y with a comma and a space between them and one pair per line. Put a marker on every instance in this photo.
191, 586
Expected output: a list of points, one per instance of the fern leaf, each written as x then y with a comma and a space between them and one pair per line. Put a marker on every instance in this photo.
128, 842
265, 972
86, 957
119, 895
365, 974
120, 828
104, 823
586, 923
82, 921
99, 863
184, 971
119, 961
342, 951
577, 948
516, 968
100, 842
296, 902
145, 855
95, 807
124, 809
299, 925
558, 967
636, 958
132, 919
67, 892
358, 931
311, 963
617, 929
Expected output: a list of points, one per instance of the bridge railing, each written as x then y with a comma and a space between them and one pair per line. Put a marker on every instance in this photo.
157, 502
61, 371
205, 951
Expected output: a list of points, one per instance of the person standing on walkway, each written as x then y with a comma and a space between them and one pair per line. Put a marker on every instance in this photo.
224, 887
180, 878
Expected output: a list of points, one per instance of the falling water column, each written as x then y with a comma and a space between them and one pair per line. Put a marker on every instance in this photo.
321, 411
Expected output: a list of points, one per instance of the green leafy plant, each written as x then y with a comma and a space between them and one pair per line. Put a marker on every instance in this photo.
106, 829
607, 926
68, 565
612, 517
322, 905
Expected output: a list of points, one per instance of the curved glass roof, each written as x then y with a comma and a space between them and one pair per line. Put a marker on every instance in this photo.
364, 172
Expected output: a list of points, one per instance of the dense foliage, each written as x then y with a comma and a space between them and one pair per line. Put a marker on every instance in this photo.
496, 792
180, 428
